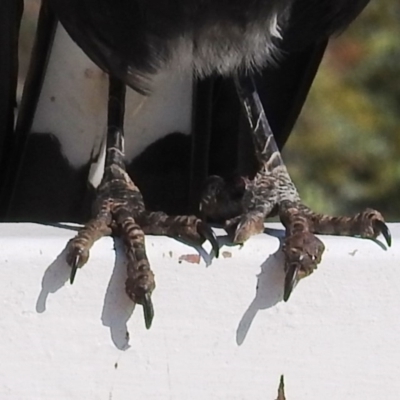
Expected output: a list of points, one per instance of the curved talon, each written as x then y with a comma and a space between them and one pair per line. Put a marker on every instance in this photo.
208, 234
148, 310
290, 281
74, 268
383, 228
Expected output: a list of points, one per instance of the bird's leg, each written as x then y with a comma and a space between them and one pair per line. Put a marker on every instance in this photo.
272, 186
117, 203
119, 209
272, 191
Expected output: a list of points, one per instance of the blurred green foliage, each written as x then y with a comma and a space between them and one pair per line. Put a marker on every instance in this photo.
345, 152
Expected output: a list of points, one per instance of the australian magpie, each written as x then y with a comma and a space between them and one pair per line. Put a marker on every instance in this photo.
269, 51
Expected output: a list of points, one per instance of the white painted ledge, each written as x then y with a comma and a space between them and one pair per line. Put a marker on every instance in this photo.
214, 336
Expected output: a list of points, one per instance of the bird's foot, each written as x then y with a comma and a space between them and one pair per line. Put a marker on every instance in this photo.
302, 249
120, 210
267, 195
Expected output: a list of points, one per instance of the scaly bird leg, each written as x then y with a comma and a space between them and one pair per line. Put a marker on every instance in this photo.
272, 192
120, 209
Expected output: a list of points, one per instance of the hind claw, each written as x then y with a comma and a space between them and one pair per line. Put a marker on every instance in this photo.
208, 234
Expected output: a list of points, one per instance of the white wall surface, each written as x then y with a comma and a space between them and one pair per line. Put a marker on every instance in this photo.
221, 330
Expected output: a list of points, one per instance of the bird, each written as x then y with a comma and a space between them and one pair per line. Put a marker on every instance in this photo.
249, 44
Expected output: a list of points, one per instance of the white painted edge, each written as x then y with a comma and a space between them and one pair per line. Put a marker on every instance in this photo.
221, 330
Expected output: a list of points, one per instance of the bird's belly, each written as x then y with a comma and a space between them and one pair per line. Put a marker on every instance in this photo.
227, 48
73, 105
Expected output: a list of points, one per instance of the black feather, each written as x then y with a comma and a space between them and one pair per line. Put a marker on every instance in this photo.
10, 19
133, 39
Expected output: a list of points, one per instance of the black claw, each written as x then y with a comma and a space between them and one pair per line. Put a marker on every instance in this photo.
208, 234
382, 227
290, 281
148, 310
74, 268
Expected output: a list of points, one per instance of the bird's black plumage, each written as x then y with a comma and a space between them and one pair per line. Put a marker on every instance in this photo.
133, 39
281, 40
10, 19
